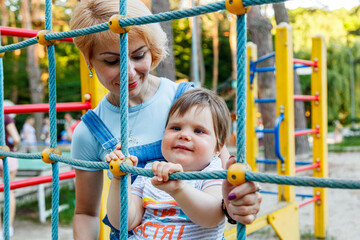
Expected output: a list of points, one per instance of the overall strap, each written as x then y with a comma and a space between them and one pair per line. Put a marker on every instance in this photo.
183, 87
99, 130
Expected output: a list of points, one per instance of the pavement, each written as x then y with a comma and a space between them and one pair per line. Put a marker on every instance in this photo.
38, 231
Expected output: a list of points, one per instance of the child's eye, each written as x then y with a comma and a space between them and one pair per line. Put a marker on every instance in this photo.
198, 131
176, 128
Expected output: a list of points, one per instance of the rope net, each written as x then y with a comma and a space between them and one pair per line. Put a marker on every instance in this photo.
124, 22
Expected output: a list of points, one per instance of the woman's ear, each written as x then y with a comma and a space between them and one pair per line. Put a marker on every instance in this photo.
87, 60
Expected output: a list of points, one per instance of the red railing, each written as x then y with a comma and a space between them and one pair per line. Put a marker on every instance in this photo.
307, 131
317, 198
19, 32
44, 107
37, 180
307, 167
306, 98
305, 62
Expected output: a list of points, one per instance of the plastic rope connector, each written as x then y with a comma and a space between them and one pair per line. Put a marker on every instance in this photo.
2, 54
115, 26
4, 148
236, 173
46, 153
40, 37
236, 7
114, 166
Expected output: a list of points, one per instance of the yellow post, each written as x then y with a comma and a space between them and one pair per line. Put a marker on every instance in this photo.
319, 120
97, 91
285, 105
251, 110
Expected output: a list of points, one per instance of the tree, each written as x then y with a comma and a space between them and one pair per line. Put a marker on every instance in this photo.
301, 142
259, 29
167, 67
33, 67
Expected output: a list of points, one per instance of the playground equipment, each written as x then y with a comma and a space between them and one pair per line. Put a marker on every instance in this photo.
236, 7
285, 133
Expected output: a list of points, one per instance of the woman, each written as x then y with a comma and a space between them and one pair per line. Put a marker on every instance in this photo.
12, 139
150, 99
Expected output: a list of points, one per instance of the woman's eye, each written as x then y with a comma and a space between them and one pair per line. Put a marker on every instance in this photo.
139, 56
111, 62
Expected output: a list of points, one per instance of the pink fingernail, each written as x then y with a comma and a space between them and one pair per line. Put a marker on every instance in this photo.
231, 196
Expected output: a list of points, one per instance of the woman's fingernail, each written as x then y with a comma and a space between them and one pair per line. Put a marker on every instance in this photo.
232, 156
231, 196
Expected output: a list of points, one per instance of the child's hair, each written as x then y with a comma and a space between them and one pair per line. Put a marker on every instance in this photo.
203, 98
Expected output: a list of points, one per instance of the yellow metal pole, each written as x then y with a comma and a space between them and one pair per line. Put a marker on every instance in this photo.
319, 120
285, 105
97, 91
251, 110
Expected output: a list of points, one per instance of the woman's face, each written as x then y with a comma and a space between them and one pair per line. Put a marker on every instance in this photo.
106, 62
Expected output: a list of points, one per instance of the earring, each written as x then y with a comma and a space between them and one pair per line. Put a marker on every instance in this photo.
90, 72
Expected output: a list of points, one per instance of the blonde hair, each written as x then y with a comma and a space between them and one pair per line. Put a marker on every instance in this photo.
203, 98
93, 12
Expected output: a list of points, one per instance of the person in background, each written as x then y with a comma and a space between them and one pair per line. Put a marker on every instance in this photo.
69, 121
45, 131
28, 135
12, 139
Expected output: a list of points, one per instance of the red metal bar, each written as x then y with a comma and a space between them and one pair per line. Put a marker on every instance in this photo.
37, 180
305, 62
307, 167
19, 32
307, 131
317, 198
306, 98
44, 107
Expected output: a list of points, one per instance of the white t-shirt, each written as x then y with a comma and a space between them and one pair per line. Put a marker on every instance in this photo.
164, 219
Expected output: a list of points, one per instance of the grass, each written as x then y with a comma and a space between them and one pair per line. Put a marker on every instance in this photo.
30, 211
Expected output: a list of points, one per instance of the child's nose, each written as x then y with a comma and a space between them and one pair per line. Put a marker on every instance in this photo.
184, 136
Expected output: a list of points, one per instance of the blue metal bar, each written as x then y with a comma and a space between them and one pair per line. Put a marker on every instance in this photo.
274, 161
277, 137
268, 130
301, 66
264, 69
265, 100
298, 195
265, 57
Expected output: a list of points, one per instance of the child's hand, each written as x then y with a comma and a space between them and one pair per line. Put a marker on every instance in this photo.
117, 155
161, 179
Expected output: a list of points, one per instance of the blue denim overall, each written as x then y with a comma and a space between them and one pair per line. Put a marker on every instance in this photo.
145, 153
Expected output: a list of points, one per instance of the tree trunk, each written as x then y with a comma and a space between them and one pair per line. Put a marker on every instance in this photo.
215, 37
33, 68
4, 20
259, 29
167, 67
232, 42
200, 53
301, 142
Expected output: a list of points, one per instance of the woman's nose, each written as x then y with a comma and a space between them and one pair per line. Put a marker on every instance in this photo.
131, 70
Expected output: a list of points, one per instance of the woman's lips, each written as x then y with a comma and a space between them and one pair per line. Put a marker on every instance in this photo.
134, 84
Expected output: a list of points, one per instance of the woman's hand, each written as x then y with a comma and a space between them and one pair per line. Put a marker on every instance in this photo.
161, 179
242, 202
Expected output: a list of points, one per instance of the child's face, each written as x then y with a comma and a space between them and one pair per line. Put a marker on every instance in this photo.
190, 140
